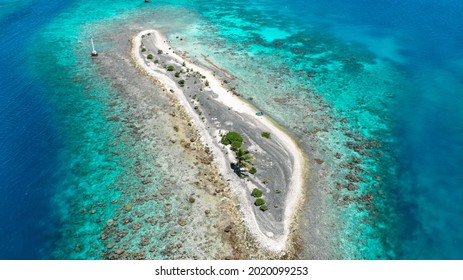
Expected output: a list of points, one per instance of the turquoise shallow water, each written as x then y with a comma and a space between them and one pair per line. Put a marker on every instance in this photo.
371, 90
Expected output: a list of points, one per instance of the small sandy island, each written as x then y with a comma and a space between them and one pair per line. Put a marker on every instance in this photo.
215, 110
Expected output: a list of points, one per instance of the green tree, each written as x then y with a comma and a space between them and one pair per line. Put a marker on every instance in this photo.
232, 138
243, 158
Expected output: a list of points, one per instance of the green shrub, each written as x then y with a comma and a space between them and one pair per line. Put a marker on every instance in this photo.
170, 68
266, 181
207, 83
181, 83
143, 50
156, 61
263, 208
259, 202
252, 170
177, 74
278, 191
232, 138
256, 192
159, 51
150, 56
266, 135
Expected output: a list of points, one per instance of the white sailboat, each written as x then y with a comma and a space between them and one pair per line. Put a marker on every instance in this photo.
94, 53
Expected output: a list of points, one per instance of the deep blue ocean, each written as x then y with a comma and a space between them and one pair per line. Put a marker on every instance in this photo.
29, 137
423, 38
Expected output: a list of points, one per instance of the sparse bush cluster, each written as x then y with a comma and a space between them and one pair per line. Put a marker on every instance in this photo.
259, 200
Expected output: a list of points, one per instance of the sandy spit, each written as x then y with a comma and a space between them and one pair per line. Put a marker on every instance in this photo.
295, 188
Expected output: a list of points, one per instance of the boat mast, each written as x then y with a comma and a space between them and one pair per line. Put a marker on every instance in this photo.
93, 46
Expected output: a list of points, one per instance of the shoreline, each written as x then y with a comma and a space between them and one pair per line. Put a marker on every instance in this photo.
294, 198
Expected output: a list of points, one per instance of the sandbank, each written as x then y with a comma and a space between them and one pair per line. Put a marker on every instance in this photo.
288, 155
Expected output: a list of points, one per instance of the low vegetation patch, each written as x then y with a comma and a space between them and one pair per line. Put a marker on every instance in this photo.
150, 56
177, 74
159, 51
252, 170
143, 50
259, 202
256, 192
263, 208
181, 83
170, 68
266, 135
